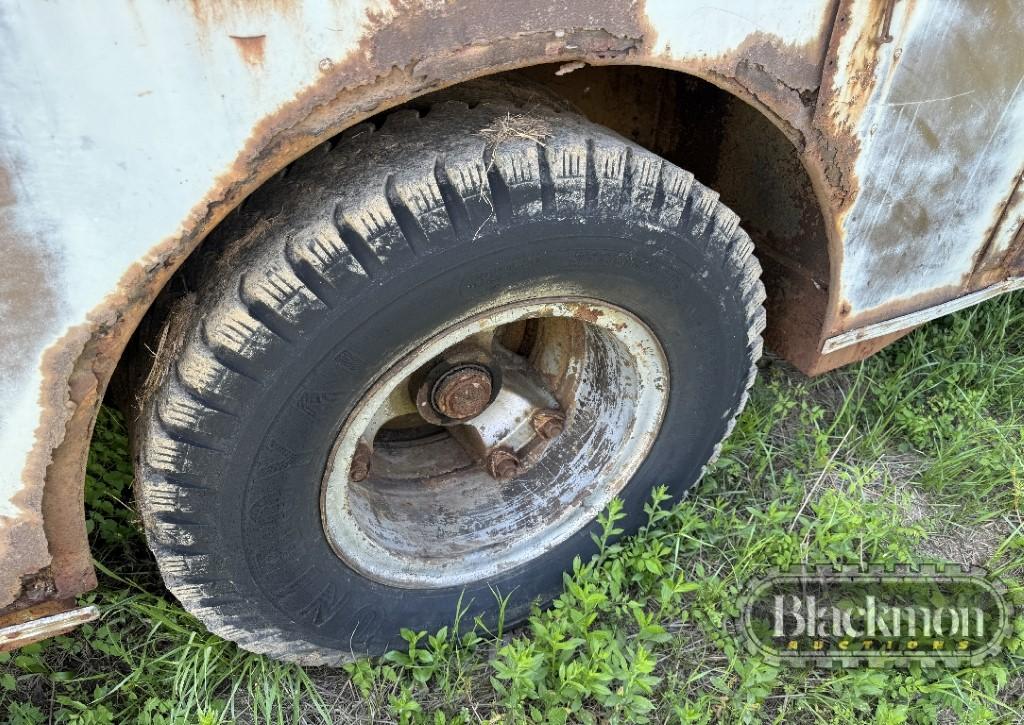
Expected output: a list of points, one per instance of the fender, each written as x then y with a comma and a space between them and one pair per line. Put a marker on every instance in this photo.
131, 138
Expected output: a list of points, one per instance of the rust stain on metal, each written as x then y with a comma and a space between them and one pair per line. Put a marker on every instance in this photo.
43, 609
251, 48
841, 106
885, 36
931, 171
1014, 262
1010, 217
847, 80
415, 50
222, 14
360, 468
502, 465
23, 548
41, 621
816, 94
822, 363
778, 78
796, 87
549, 424
42, 554
463, 393
587, 313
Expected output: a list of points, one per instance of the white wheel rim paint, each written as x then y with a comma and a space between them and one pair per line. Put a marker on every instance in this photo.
620, 392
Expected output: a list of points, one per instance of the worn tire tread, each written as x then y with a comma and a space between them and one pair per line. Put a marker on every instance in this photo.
325, 260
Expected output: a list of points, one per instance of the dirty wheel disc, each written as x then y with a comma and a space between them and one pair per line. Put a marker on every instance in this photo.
579, 405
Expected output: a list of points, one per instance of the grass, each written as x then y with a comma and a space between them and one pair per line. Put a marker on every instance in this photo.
912, 456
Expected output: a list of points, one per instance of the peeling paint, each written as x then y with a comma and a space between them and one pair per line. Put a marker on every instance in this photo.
941, 140
126, 147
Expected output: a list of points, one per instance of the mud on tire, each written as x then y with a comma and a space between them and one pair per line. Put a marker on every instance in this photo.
360, 249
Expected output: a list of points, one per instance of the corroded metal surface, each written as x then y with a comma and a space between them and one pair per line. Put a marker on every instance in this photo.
463, 393
913, 319
41, 621
519, 477
939, 127
126, 146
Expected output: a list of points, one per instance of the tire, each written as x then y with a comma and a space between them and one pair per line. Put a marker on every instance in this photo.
349, 259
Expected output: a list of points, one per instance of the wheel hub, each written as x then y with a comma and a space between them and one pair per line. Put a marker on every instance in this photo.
493, 441
463, 392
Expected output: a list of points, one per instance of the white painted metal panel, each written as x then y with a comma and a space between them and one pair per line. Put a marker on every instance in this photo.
942, 143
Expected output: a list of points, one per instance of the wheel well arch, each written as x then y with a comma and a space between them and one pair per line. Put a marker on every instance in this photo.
726, 141
798, 290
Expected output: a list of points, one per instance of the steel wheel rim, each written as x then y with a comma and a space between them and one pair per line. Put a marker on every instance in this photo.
607, 375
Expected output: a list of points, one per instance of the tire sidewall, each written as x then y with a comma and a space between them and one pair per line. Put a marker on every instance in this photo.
268, 502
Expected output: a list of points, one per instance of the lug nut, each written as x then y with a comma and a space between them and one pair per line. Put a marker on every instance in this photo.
360, 469
548, 423
502, 464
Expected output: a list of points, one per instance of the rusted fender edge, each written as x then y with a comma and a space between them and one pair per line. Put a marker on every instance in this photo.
395, 63
904, 322
41, 622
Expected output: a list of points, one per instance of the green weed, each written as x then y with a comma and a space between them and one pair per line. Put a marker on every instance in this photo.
915, 455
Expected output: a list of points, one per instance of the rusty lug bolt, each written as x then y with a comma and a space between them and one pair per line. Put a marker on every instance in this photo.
502, 464
548, 423
463, 393
361, 463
